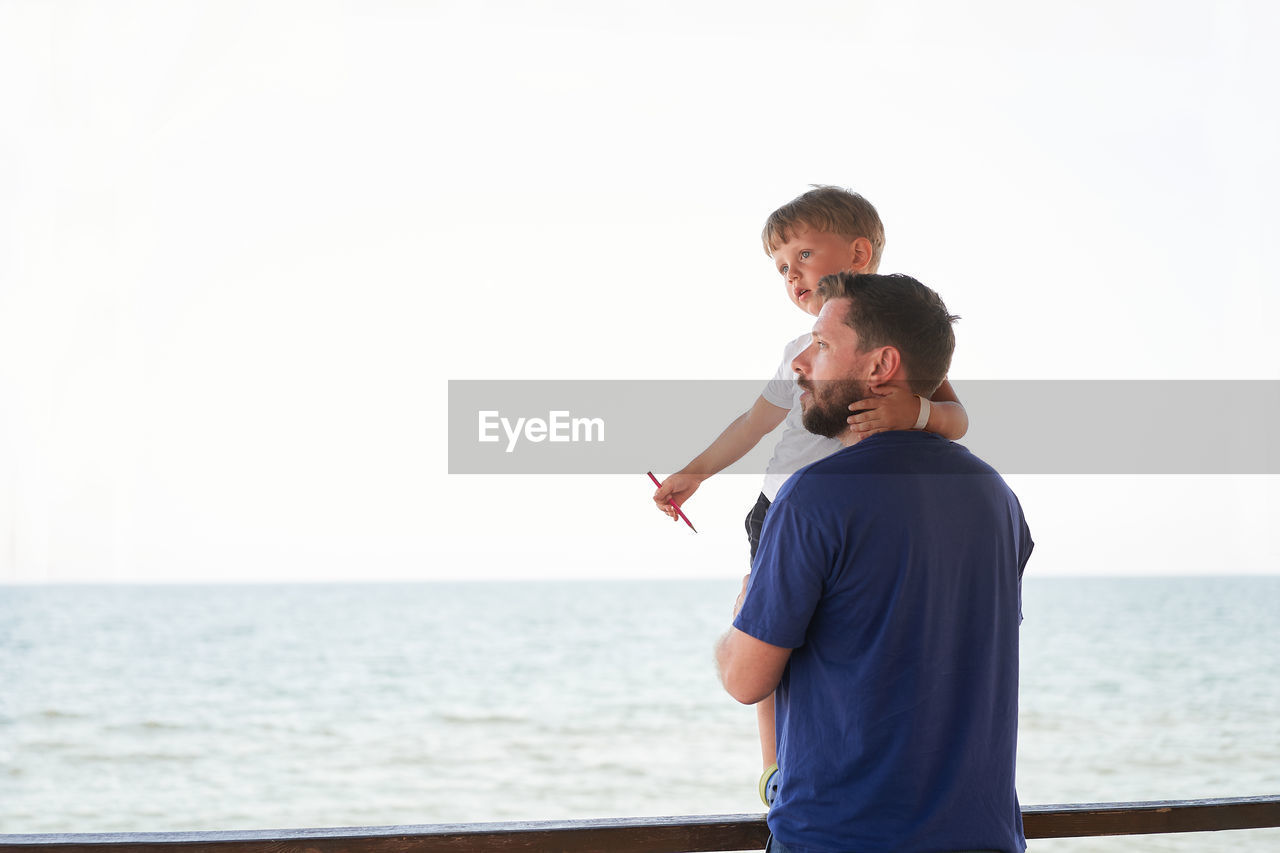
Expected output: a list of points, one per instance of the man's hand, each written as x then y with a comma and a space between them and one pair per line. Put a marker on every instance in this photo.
737, 605
676, 489
897, 408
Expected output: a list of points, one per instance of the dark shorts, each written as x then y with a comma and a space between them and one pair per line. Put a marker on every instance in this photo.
755, 522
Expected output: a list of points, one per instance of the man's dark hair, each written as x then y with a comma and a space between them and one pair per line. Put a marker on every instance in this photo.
898, 311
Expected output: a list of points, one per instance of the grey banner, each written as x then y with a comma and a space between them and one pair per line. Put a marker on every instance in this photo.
1020, 427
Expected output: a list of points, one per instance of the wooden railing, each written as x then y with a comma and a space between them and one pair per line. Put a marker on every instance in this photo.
639, 835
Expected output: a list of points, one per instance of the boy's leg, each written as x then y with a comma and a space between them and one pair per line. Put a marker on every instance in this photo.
764, 708
768, 738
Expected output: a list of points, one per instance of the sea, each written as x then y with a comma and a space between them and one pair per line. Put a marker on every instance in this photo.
156, 708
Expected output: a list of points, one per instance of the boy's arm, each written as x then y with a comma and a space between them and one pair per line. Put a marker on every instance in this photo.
739, 437
899, 410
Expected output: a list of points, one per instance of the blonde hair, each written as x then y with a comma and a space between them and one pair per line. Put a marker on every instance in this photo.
834, 210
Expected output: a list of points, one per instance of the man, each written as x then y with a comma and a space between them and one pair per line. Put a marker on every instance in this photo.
883, 606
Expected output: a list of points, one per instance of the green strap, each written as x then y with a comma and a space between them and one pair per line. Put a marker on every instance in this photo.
764, 782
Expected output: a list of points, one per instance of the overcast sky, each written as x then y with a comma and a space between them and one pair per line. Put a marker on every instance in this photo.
245, 246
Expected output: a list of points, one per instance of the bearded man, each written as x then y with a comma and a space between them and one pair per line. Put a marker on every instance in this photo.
883, 606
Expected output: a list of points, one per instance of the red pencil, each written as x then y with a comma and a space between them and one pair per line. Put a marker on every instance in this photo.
673, 504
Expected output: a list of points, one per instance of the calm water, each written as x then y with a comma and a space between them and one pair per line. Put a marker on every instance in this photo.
155, 708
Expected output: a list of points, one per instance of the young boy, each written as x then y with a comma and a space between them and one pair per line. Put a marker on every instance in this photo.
823, 231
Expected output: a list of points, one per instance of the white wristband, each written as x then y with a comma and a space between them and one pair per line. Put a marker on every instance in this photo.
924, 413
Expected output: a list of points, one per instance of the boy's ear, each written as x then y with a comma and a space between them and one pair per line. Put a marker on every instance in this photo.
862, 252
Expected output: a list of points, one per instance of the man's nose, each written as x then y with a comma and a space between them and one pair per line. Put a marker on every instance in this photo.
800, 363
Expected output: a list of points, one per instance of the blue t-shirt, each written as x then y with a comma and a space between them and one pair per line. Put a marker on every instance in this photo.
893, 569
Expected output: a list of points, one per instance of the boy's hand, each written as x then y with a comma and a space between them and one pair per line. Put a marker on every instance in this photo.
896, 409
677, 488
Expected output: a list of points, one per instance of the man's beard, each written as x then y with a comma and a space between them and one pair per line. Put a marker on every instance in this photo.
827, 413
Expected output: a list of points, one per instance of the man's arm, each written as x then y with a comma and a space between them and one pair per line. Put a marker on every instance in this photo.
749, 669
737, 439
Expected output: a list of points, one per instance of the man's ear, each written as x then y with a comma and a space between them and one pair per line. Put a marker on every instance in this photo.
886, 367
862, 251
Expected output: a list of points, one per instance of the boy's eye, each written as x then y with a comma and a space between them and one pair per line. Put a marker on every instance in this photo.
783, 269
805, 254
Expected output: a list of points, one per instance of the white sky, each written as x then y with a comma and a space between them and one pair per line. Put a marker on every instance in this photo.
244, 246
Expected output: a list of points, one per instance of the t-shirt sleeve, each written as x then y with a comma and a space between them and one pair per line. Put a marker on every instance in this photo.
787, 578
1025, 547
1025, 543
780, 390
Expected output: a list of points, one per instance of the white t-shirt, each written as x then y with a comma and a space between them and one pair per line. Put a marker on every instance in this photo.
797, 447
